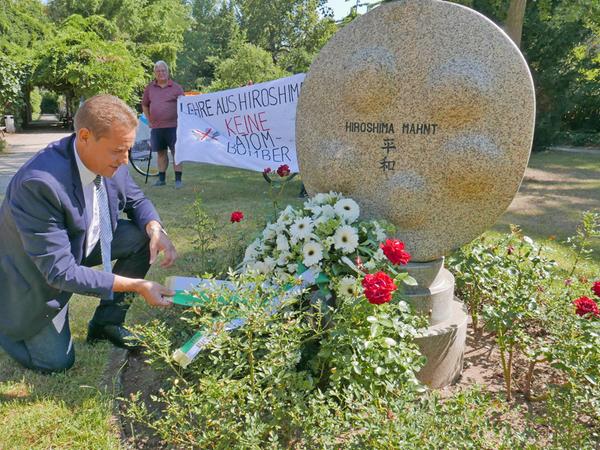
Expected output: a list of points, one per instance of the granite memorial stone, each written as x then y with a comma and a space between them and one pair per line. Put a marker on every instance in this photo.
423, 112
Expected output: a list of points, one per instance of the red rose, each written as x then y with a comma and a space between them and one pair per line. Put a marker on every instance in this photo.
283, 170
237, 216
585, 306
378, 288
394, 250
596, 288
267, 170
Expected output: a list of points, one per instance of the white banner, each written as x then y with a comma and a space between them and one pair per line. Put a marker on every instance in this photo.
252, 127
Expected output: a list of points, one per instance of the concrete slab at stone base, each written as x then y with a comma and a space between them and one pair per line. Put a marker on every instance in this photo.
443, 345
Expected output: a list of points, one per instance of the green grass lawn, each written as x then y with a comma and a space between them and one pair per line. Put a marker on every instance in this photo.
557, 188
70, 410
76, 410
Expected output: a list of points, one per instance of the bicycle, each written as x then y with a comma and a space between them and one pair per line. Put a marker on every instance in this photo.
140, 157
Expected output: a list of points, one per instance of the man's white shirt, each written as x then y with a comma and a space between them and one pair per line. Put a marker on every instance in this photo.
93, 214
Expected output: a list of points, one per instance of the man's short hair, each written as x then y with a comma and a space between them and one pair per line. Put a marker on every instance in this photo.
161, 63
101, 112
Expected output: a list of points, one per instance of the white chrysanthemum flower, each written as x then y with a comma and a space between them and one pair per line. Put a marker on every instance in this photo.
328, 212
261, 267
328, 241
313, 253
347, 287
321, 219
321, 198
252, 251
282, 243
347, 209
269, 232
264, 247
270, 264
315, 210
335, 196
313, 237
379, 232
287, 216
283, 258
302, 228
346, 239
279, 227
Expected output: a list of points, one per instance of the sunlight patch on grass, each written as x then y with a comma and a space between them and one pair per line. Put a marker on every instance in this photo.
65, 410
53, 423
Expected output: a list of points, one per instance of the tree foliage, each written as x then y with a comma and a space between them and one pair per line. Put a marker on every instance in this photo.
561, 43
11, 79
248, 63
86, 46
23, 26
280, 26
292, 32
213, 32
80, 62
153, 29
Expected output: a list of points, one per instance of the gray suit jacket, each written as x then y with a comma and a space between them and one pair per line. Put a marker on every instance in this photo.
43, 227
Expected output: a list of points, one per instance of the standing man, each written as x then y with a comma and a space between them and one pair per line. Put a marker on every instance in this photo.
60, 216
160, 107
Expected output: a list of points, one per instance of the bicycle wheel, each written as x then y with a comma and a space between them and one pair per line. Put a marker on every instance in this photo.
140, 157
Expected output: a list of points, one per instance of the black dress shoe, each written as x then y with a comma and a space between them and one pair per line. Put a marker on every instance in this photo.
117, 334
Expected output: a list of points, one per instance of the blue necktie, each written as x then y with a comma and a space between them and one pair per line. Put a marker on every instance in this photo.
105, 226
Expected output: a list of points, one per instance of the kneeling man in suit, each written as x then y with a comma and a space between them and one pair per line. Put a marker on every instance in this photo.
59, 218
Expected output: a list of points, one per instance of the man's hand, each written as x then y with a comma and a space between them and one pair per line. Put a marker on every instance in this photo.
160, 242
153, 293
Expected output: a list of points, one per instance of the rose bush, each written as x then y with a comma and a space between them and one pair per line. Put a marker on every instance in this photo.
394, 251
528, 305
304, 358
236, 216
585, 306
378, 288
283, 170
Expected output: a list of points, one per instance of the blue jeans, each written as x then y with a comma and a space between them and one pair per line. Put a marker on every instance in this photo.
51, 350
48, 351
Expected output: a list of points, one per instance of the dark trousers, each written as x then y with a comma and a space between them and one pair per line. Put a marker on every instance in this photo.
51, 350
163, 138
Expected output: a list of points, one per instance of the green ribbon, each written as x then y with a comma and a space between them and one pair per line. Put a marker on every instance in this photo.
182, 298
322, 280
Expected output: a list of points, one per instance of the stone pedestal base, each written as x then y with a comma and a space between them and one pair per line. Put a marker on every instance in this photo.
444, 346
443, 342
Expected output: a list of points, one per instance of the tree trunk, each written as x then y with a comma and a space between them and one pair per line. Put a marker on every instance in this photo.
26, 111
514, 20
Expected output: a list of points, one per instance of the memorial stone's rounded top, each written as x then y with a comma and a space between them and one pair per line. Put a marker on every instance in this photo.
422, 111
